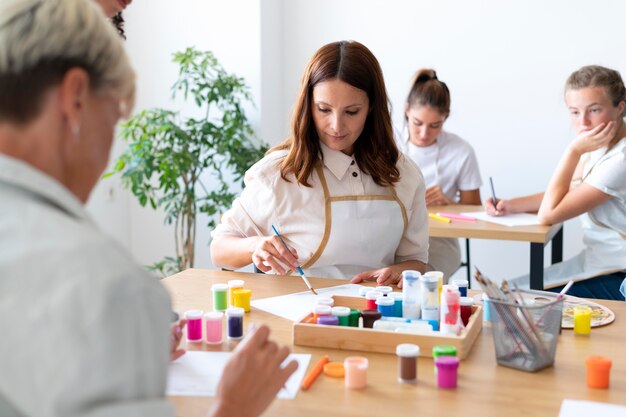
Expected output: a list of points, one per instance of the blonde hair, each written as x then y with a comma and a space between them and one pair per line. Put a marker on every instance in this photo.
40, 40
598, 76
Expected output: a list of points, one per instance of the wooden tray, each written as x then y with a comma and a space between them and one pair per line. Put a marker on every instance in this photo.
371, 340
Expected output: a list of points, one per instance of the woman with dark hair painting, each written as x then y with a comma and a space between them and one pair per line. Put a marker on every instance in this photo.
348, 204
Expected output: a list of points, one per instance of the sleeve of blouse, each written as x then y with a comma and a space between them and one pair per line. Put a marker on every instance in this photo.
609, 176
251, 212
414, 243
469, 174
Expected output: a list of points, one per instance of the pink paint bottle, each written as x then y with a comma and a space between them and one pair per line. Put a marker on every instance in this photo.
213, 326
447, 371
194, 325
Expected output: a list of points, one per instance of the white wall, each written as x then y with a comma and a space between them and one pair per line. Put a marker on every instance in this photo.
505, 63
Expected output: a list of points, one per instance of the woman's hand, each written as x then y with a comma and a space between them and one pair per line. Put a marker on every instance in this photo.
383, 276
176, 336
593, 139
270, 253
501, 208
436, 197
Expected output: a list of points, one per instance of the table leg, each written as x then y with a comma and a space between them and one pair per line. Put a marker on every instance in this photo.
536, 266
557, 247
467, 263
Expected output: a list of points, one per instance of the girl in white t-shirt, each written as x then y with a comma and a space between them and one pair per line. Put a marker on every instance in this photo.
448, 162
589, 183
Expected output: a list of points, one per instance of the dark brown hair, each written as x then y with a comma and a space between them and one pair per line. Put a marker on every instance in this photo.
597, 76
427, 90
118, 22
375, 150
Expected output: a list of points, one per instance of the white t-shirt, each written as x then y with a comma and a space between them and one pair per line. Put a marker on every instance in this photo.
85, 331
450, 162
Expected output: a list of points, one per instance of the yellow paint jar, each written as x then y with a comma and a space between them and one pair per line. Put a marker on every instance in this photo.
241, 298
582, 320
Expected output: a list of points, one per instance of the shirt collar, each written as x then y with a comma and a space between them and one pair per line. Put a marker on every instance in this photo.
337, 162
21, 175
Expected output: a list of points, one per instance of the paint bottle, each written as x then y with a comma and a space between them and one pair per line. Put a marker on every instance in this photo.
386, 306
411, 294
466, 309
582, 320
371, 298
327, 301
486, 310
355, 372
194, 325
363, 291
384, 289
234, 316
407, 362
220, 297
328, 320
233, 284
429, 299
443, 350
397, 305
462, 284
439, 276
450, 317
353, 319
241, 298
598, 371
447, 371
369, 317
321, 310
343, 314
213, 327
403, 327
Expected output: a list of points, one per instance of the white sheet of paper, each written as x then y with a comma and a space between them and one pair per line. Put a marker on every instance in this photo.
515, 219
295, 306
197, 373
573, 408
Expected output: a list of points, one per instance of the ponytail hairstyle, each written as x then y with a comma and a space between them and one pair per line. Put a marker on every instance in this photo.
597, 76
427, 90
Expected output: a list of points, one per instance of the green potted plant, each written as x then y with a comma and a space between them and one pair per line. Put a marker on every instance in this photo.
167, 153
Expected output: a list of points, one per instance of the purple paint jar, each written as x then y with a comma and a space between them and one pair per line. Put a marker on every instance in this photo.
328, 320
235, 322
447, 371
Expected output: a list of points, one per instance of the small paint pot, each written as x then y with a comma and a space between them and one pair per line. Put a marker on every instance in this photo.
233, 284
443, 350
385, 290
582, 320
353, 319
462, 285
328, 320
334, 369
234, 317
194, 325
407, 362
466, 309
356, 372
363, 291
343, 314
386, 306
321, 310
598, 371
326, 301
371, 298
397, 303
369, 317
447, 371
486, 310
220, 296
241, 298
213, 327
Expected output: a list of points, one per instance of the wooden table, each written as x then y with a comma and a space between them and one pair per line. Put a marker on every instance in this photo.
485, 389
538, 236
